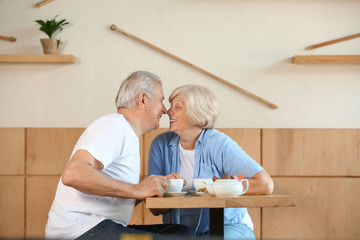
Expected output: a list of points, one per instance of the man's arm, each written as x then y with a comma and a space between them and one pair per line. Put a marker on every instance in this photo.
82, 173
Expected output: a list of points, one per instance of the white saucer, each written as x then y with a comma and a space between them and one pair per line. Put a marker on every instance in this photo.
174, 194
204, 194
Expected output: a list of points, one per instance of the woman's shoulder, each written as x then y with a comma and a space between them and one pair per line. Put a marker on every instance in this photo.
216, 138
215, 135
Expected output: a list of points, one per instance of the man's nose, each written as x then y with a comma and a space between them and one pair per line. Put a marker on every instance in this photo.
164, 109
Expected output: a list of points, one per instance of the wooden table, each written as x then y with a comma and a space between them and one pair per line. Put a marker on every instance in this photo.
217, 205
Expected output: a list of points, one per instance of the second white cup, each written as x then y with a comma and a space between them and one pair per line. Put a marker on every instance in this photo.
200, 183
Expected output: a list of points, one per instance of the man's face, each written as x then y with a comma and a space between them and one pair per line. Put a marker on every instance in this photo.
156, 107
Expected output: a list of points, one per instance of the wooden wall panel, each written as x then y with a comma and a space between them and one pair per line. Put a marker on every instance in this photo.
149, 218
248, 139
147, 140
137, 216
317, 162
40, 193
12, 151
12, 202
255, 214
312, 152
327, 208
49, 149
141, 155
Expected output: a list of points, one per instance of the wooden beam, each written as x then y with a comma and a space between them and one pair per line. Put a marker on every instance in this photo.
115, 28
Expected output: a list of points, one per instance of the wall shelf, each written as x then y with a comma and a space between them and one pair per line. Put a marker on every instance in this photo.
305, 59
36, 58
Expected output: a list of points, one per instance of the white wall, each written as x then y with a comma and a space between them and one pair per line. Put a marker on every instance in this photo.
246, 42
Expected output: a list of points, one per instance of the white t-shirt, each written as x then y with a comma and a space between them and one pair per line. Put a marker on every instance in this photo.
112, 141
187, 160
190, 217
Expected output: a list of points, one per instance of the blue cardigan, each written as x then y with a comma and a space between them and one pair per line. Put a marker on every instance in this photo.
215, 155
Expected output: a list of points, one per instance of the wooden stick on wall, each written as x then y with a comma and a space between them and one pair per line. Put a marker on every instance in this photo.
333, 41
11, 39
42, 3
115, 28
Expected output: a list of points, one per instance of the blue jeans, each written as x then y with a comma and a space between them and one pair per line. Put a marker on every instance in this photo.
235, 231
238, 231
109, 230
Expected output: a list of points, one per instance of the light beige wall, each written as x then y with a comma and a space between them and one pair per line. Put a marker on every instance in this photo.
247, 42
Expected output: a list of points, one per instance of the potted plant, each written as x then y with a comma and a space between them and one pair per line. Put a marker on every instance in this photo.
51, 45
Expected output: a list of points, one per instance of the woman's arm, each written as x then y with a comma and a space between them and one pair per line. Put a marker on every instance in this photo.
260, 183
236, 161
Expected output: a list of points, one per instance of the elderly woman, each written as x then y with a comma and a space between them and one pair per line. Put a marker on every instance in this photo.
193, 149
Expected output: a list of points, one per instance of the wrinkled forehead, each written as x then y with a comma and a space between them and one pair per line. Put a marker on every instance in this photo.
179, 98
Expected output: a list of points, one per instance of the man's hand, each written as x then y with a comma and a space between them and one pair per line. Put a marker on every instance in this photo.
154, 185
175, 176
157, 212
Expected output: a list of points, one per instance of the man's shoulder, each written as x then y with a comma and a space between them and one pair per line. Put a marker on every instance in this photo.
113, 124
112, 118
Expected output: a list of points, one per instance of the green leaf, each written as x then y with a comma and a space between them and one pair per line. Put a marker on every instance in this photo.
51, 26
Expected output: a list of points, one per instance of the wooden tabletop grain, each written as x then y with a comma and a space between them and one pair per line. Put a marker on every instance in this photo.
196, 201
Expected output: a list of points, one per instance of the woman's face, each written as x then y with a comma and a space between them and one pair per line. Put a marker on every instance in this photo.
176, 112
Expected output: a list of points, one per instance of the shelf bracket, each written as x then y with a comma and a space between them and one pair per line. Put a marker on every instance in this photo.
333, 41
42, 3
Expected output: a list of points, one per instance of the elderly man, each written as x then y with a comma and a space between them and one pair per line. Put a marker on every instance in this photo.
98, 189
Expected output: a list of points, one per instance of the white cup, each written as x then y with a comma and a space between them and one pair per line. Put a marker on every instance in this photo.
175, 185
200, 183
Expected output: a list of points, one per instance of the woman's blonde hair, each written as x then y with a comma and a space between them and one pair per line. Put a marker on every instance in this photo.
201, 104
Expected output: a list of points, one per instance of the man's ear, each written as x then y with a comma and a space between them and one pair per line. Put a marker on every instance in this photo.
142, 101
